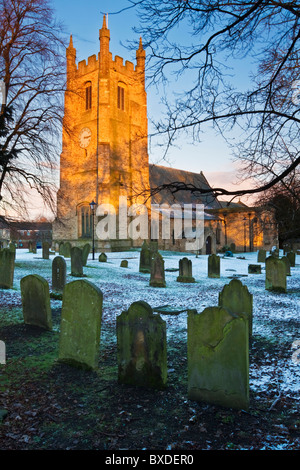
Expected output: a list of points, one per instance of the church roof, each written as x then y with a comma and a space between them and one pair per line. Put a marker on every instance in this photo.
160, 175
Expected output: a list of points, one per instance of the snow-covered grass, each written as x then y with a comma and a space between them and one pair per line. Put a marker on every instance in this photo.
276, 317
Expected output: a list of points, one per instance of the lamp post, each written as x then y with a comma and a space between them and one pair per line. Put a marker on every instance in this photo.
92, 206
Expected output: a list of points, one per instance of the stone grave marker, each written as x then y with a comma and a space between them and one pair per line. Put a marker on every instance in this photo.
59, 274
218, 358
124, 263
102, 258
185, 271
275, 274
261, 256
213, 266
30, 246
145, 259
45, 250
36, 301
287, 265
85, 253
80, 327
141, 347
12, 248
76, 262
34, 247
254, 269
67, 249
157, 278
61, 249
7, 268
238, 300
291, 256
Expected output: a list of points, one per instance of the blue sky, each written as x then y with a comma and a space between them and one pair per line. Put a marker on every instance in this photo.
83, 20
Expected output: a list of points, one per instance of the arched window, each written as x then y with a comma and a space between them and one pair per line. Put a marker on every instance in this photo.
85, 221
88, 96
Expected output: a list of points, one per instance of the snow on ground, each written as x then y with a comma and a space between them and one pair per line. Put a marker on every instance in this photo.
276, 317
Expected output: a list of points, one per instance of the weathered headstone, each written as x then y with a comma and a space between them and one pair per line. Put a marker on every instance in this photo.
232, 247
12, 248
142, 347
218, 358
287, 265
36, 301
46, 249
59, 273
157, 278
76, 262
85, 253
185, 271
275, 274
67, 249
291, 256
261, 256
80, 327
254, 268
30, 246
124, 263
145, 259
7, 268
102, 258
213, 266
237, 299
61, 249
34, 248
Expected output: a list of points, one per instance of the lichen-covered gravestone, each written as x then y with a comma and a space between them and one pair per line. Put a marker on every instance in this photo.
275, 274
12, 248
76, 262
287, 265
45, 250
36, 301
102, 258
291, 256
142, 347
218, 358
80, 327
237, 299
67, 249
157, 278
59, 273
185, 271
85, 253
145, 259
213, 266
7, 268
261, 256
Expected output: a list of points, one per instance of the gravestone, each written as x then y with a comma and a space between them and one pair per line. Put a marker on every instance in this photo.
142, 347
261, 256
34, 247
59, 273
46, 249
7, 268
85, 253
237, 299
275, 274
145, 259
185, 271
287, 265
157, 278
61, 249
232, 247
12, 249
76, 262
254, 269
218, 358
124, 263
102, 258
67, 250
291, 256
80, 327
213, 266
30, 246
36, 301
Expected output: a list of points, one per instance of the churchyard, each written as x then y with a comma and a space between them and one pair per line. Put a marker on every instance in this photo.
149, 357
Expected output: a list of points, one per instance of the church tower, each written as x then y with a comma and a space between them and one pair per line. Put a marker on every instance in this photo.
104, 143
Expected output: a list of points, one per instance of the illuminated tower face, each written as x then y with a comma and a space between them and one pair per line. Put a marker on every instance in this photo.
105, 147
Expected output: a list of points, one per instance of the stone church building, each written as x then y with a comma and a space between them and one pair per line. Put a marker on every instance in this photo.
105, 157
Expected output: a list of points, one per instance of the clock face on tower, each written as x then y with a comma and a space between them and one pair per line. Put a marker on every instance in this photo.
85, 137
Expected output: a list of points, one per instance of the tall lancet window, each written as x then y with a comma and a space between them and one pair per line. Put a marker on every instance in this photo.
88, 96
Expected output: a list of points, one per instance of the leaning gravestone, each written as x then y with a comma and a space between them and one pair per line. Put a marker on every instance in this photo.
237, 299
275, 274
157, 278
261, 256
142, 347
185, 271
80, 327
36, 301
46, 249
7, 268
291, 256
213, 266
59, 273
287, 265
85, 253
218, 358
102, 258
67, 250
145, 259
76, 262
